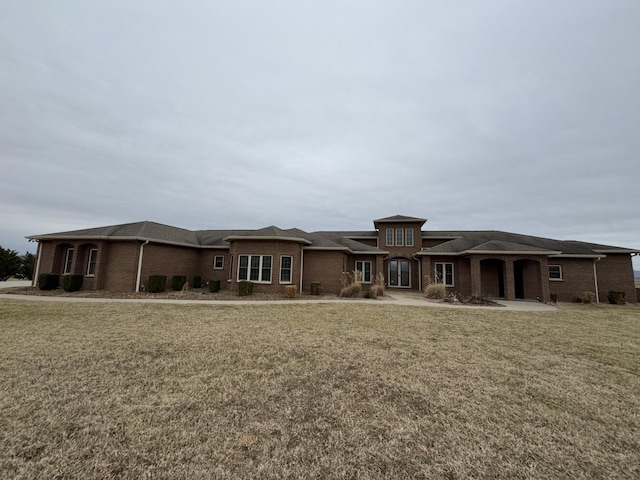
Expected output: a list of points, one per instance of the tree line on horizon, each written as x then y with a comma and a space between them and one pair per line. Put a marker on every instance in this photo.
13, 264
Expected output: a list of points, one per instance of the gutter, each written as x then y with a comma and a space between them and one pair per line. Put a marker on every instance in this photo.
140, 266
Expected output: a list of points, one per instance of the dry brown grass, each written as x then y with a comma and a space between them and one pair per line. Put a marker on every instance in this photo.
317, 391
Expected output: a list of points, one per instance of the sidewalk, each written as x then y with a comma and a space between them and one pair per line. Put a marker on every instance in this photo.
412, 299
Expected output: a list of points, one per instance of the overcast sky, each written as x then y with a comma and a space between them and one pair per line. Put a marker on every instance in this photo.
521, 116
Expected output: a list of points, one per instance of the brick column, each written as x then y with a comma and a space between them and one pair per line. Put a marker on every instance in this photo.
476, 276
509, 280
544, 280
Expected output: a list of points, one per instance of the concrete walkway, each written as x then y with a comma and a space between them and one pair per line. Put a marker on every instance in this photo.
413, 299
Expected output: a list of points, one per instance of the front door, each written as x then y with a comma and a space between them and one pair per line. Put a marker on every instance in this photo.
399, 273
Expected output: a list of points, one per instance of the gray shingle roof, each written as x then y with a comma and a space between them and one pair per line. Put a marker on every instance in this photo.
455, 242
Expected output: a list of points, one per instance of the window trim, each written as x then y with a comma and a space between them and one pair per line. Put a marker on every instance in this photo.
363, 270
390, 236
93, 252
68, 261
215, 263
282, 270
399, 237
556, 279
260, 267
444, 273
408, 237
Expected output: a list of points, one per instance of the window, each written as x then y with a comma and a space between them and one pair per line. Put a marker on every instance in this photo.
68, 261
409, 237
218, 262
399, 240
555, 272
365, 269
91, 262
256, 268
389, 237
444, 273
286, 266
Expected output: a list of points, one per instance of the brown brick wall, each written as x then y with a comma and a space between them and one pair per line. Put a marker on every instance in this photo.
577, 278
276, 249
615, 272
326, 267
206, 270
122, 266
169, 260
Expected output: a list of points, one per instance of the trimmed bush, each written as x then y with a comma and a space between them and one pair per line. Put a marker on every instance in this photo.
291, 291
197, 281
48, 281
315, 288
245, 288
72, 283
157, 283
617, 298
178, 281
554, 297
214, 286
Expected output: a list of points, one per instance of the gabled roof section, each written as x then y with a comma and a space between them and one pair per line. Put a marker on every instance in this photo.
349, 244
399, 219
128, 231
497, 246
271, 233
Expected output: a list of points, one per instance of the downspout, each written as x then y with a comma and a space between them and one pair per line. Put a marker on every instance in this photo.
140, 266
38, 258
301, 266
595, 277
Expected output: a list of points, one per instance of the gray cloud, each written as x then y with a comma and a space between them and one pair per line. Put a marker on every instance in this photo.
321, 115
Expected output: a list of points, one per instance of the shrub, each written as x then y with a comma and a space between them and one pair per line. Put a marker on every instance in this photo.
585, 297
214, 286
371, 293
178, 281
157, 283
197, 281
245, 288
72, 283
290, 291
617, 298
315, 288
554, 297
479, 299
435, 291
48, 281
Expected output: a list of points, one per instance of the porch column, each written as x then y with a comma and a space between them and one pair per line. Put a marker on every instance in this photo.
427, 273
510, 280
476, 276
544, 280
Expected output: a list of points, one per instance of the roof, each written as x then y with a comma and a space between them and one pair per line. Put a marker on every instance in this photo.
456, 242
399, 219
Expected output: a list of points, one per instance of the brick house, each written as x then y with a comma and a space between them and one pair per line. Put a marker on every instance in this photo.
500, 264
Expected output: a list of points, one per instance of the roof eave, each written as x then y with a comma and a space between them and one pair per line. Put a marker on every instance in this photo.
231, 238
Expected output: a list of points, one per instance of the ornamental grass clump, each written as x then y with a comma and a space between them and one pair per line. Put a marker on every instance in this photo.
351, 284
435, 290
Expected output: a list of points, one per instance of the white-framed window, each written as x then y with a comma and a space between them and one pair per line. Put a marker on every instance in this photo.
255, 268
555, 272
68, 261
390, 234
286, 269
91, 262
364, 267
444, 273
408, 237
218, 262
399, 237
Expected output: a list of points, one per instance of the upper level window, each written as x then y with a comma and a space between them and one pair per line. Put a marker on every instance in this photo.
555, 272
286, 268
256, 268
218, 262
389, 237
91, 262
444, 274
408, 237
364, 267
399, 237
68, 261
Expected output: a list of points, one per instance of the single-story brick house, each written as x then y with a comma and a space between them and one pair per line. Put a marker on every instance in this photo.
499, 264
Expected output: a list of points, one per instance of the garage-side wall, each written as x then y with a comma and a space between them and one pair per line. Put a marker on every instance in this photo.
169, 260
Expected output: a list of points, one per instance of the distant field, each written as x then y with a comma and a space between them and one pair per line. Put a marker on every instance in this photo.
317, 391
